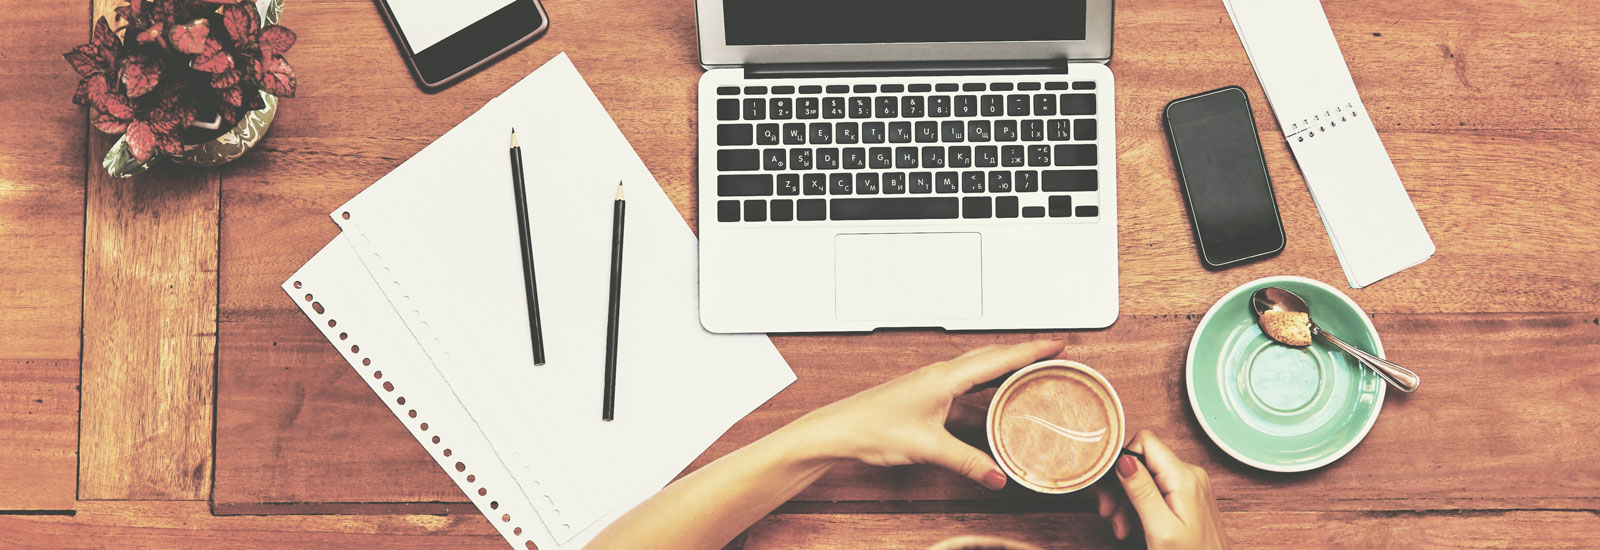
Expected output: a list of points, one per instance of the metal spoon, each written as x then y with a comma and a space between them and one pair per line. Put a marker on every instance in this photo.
1280, 299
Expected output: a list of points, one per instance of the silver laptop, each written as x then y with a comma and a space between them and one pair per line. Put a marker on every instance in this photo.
906, 163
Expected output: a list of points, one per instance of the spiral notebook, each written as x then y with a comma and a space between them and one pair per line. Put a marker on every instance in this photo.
436, 240
1371, 221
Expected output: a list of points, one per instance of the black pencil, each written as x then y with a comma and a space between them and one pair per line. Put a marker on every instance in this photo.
619, 211
530, 285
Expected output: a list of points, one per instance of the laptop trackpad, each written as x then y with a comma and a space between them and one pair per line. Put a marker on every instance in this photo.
908, 276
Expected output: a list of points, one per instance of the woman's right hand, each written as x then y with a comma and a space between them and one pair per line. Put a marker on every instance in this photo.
1172, 498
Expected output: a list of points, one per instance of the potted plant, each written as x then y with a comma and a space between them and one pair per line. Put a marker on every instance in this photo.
196, 81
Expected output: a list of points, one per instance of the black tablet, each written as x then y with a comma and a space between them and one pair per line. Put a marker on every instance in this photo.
445, 41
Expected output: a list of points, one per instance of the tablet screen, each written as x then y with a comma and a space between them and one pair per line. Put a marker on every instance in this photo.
786, 22
426, 22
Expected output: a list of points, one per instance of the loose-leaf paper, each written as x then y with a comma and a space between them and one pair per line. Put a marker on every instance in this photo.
190, 38
243, 23
109, 124
275, 40
276, 76
141, 140
140, 75
212, 59
85, 60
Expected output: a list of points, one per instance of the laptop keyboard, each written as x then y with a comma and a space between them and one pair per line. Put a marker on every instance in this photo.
915, 151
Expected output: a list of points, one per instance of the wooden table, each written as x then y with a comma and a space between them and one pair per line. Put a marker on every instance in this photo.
210, 413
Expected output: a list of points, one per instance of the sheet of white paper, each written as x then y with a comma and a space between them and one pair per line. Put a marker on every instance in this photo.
356, 315
1371, 221
440, 234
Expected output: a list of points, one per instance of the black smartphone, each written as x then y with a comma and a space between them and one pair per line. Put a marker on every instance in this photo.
445, 41
1224, 177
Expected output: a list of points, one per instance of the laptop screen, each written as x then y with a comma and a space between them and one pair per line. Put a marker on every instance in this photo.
790, 22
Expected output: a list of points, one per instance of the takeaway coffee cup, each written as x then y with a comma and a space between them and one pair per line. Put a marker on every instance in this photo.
1056, 426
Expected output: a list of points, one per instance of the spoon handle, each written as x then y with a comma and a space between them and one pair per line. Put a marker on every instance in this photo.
1400, 377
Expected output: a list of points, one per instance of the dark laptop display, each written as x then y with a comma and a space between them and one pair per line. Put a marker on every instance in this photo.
793, 22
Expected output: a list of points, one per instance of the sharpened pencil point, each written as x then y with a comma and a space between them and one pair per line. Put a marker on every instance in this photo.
514, 138
619, 191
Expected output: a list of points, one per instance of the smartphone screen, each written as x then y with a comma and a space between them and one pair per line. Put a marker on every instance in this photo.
445, 41
1224, 177
427, 22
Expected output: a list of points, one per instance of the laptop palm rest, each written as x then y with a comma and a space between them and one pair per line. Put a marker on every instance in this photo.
898, 277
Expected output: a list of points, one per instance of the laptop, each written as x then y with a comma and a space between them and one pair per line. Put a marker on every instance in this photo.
906, 163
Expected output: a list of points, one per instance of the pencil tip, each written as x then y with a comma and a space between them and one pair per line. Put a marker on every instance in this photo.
619, 191
514, 138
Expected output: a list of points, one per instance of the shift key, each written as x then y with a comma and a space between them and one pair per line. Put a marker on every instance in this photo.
744, 185
733, 160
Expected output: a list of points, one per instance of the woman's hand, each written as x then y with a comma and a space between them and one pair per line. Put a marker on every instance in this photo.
903, 421
1175, 506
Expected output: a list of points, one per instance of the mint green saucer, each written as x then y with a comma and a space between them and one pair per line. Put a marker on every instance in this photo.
1277, 407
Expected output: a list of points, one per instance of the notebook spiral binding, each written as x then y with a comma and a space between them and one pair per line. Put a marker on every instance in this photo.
419, 397
1322, 123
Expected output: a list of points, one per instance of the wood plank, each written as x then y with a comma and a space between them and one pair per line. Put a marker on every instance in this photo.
41, 255
290, 440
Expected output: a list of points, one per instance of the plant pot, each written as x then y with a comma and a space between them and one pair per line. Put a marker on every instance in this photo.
232, 144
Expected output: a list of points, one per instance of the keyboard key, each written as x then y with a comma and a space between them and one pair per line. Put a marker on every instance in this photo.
1013, 155
1033, 130
1033, 212
855, 158
992, 105
945, 182
727, 211
972, 182
866, 184
988, 156
1060, 129
879, 158
1017, 104
1087, 211
920, 88
866, 88
783, 89
1027, 181
1005, 130
1061, 206
849, 132
872, 132
727, 109
768, 134
811, 89
839, 184
809, 210
927, 132
734, 160
960, 156
894, 183
1083, 85
774, 159
821, 133
783, 210
1044, 104
1077, 104
1084, 128
899, 132
1056, 85
1004, 207
755, 109
978, 130
1038, 155
966, 105
972, 87
905, 157
976, 207
827, 158
794, 133
911, 106
887, 107
788, 184
744, 185
755, 90
933, 156
735, 134
1000, 181
838, 89
945, 87
899, 208
816, 184
1027, 86
807, 108
1057, 181
939, 106
1075, 155
833, 107
860, 107
921, 182
727, 90
893, 88
950, 131
800, 159
782, 108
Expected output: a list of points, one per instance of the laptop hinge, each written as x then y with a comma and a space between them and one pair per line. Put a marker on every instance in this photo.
906, 68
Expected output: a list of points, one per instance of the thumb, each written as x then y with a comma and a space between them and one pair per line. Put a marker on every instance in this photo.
1154, 514
966, 460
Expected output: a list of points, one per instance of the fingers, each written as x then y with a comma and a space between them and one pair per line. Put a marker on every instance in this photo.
1145, 497
966, 460
977, 368
977, 541
1171, 473
967, 414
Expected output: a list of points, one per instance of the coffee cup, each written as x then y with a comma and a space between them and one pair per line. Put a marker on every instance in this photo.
1056, 426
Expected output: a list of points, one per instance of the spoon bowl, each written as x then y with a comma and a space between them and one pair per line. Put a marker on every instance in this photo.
1272, 298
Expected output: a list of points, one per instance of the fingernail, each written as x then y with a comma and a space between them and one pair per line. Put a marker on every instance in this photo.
994, 480
1126, 466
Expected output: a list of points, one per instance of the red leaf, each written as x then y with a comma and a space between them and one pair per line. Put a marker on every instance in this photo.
243, 23
81, 96
140, 75
224, 80
116, 105
233, 96
212, 59
190, 38
109, 124
169, 143
171, 115
276, 39
151, 34
252, 101
103, 37
85, 60
141, 140
124, 12
276, 76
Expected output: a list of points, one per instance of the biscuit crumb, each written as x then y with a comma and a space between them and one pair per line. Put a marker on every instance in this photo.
1289, 327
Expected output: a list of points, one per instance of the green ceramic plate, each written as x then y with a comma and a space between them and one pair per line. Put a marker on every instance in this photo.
1277, 407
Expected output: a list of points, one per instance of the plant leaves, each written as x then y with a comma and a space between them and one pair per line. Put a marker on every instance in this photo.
81, 95
172, 115
232, 96
169, 143
275, 76
116, 105
243, 23
141, 141
212, 58
225, 79
124, 12
151, 34
190, 38
140, 75
85, 60
103, 37
275, 40
252, 101
109, 124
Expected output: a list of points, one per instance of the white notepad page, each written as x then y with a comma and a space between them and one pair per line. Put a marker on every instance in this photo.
1371, 221
440, 234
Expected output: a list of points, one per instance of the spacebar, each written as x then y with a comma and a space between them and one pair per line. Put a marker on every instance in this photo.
907, 208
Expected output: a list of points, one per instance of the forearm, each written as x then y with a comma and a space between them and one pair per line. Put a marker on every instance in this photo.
711, 506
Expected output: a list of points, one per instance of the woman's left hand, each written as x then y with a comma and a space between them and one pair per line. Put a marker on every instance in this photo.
903, 421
